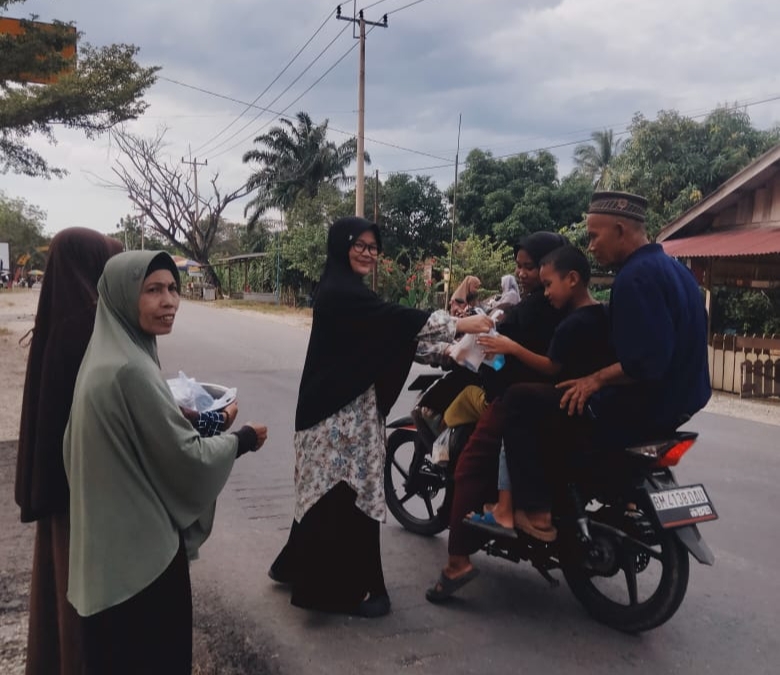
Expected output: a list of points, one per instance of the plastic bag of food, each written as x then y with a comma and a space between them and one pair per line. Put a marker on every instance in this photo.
188, 393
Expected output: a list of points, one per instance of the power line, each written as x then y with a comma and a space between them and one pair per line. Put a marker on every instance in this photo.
294, 101
279, 114
262, 93
411, 4
284, 91
622, 132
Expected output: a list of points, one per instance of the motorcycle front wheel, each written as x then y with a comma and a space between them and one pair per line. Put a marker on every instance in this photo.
415, 487
637, 578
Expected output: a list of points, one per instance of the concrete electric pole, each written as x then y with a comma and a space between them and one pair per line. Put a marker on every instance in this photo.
360, 181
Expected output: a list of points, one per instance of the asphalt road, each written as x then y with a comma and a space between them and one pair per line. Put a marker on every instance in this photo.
506, 621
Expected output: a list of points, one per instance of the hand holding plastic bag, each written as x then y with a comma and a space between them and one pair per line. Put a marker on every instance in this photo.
468, 353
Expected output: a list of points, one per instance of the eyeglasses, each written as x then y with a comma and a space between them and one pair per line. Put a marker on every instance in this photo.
361, 247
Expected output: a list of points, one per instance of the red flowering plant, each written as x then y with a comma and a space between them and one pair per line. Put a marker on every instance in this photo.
411, 286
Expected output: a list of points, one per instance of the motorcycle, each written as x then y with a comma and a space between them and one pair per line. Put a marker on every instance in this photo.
625, 526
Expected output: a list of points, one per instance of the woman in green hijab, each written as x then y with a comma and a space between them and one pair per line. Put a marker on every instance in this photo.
143, 482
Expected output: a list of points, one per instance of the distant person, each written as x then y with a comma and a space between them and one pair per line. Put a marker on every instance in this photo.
143, 482
358, 358
63, 326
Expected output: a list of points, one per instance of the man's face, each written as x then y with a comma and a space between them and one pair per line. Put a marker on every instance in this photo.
605, 239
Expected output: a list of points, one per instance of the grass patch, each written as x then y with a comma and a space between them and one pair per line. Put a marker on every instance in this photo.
4, 332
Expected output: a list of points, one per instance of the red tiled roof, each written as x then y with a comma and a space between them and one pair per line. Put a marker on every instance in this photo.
752, 241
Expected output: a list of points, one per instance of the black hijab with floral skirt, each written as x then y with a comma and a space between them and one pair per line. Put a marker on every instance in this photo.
357, 339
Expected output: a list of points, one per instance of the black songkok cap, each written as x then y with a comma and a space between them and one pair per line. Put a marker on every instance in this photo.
619, 204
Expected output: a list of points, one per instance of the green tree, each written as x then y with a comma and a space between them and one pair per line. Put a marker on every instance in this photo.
675, 160
593, 159
509, 198
21, 227
296, 159
101, 88
480, 256
413, 215
129, 233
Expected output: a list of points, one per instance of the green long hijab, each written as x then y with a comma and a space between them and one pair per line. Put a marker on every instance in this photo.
140, 476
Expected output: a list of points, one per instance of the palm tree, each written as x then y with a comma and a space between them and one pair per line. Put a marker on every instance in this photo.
593, 159
295, 160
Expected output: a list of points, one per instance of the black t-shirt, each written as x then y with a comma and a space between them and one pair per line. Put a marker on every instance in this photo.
530, 323
581, 342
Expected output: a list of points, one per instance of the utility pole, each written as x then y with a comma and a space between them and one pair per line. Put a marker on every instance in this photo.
194, 163
358, 18
376, 220
454, 212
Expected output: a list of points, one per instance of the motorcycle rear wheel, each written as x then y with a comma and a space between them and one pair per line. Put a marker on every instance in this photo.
639, 587
414, 487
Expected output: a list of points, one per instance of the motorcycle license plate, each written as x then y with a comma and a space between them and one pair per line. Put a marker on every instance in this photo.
680, 506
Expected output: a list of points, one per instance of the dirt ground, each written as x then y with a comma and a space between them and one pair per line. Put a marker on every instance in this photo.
217, 651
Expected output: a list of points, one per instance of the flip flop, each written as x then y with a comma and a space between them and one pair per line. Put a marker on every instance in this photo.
487, 523
445, 586
547, 535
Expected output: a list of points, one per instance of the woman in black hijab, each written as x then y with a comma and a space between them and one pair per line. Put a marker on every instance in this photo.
359, 355
63, 326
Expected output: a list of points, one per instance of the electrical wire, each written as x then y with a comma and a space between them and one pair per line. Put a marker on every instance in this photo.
283, 92
271, 84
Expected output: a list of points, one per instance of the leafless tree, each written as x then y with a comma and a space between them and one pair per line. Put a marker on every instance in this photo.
164, 194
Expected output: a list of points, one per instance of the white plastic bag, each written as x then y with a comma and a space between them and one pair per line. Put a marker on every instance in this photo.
440, 453
468, 353
189, 394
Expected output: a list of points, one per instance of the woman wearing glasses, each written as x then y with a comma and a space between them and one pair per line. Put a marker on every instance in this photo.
359, 355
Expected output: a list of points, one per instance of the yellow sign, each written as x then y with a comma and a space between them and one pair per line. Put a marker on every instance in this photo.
15, 27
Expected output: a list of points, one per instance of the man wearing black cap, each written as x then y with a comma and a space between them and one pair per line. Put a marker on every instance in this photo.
658, 328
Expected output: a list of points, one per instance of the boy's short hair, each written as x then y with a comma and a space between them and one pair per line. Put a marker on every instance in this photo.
568, 259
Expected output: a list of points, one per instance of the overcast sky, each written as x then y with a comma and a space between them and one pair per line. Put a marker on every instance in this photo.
525, 74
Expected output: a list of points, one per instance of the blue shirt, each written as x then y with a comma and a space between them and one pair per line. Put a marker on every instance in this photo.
659, 332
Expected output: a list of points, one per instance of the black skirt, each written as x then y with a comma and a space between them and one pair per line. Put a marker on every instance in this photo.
332, 558
149, 634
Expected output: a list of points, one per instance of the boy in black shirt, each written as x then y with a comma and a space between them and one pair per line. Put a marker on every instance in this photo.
579, 346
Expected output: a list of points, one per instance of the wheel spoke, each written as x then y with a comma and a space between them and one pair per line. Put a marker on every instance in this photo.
428, 506
407, 497
629, 570
398, 466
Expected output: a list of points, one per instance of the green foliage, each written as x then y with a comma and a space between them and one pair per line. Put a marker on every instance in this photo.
304, 250
129, 233
481, 256
296, 159
593, 159
410, 285
511, 198
103, 88
413, 215
746, 312
675, 161
21, 227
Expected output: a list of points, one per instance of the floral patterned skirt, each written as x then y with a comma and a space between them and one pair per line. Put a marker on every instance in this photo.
347, 447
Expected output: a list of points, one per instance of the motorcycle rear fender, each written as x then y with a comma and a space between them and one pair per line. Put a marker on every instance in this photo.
690, 538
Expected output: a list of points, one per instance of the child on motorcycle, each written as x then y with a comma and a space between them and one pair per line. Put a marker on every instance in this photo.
580, 345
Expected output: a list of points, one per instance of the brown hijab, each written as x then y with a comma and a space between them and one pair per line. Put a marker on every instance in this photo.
63, 327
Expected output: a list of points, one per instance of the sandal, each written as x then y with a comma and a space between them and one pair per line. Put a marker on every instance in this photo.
446, 586
545, 534
487, 523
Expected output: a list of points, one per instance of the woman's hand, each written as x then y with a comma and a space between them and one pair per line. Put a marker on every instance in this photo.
474, 324
230, 411
261, 431
495, 344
